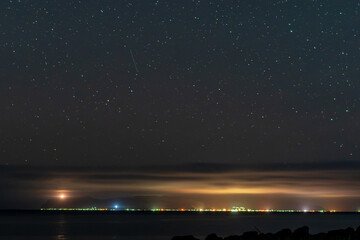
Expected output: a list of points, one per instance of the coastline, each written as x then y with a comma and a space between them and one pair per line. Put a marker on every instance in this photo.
301, 233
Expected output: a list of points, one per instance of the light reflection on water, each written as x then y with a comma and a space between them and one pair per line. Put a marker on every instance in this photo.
61, 227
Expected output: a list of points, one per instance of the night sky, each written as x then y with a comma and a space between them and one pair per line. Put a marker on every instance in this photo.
216, 103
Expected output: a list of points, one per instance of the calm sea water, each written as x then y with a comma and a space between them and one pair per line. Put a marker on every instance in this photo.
31, 225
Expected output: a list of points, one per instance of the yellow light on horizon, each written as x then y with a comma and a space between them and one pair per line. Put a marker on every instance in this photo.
62, 196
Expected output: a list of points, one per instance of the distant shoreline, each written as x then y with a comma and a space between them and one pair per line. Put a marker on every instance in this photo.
195, 210
173, 211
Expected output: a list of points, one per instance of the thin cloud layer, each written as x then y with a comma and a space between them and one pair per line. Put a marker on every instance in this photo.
313, 180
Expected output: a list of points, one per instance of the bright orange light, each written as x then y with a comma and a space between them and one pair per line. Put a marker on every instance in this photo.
62, 196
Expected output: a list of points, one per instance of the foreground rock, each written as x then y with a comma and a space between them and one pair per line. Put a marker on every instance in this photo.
286, 234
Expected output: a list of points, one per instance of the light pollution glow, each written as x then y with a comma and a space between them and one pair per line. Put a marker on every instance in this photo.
239, 183
265, 188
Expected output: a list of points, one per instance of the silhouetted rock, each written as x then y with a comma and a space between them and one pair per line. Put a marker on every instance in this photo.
357, 233
252, 235
269, 236
284, 234
213, 236
351, 233
358, 229
318, 236
234, 237
262, 236
188, 237
347, 234
301, 233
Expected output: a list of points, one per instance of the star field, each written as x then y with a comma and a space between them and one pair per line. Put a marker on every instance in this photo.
168, 82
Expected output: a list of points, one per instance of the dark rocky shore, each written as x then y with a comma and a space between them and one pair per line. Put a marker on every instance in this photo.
286, 234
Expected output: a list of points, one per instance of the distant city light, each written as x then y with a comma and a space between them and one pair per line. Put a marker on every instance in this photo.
233, 209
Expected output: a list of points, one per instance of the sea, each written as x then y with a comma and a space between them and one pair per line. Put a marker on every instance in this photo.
41, 225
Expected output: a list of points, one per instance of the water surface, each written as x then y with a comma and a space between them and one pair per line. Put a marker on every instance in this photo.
41, 225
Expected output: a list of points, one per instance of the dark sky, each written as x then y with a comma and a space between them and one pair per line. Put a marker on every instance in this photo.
138, 84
